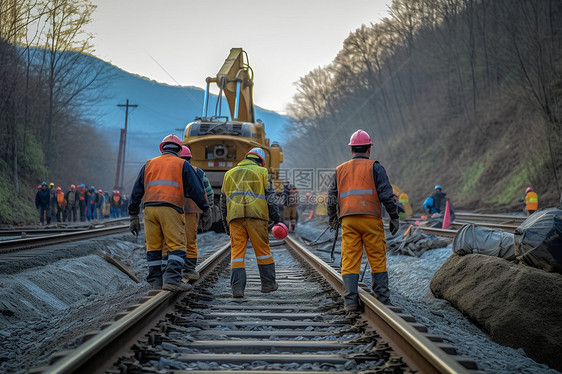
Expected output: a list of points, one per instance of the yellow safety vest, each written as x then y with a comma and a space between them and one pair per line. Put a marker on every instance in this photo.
244, 187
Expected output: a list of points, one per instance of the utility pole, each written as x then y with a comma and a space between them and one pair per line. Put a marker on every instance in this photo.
121, 157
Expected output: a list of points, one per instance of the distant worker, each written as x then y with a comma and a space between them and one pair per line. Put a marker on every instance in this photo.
247, 204
163, 184
192, 213
82, 201
405, 201
60, 205
100, 202
358, 189
116, 204
124, 205
72, 204
531, 201
52, 215
291, 200
92, 203
42, 203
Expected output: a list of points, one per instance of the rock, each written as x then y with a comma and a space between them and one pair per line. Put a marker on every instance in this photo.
519, 306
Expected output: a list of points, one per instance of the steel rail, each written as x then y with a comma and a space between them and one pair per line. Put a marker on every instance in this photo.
100, 351
7, 246
501, 218
418, 350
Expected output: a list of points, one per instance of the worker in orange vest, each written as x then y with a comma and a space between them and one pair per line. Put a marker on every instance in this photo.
357, 191
531, 201
162, 185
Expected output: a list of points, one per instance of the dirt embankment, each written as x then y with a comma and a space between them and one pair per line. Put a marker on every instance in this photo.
518, 306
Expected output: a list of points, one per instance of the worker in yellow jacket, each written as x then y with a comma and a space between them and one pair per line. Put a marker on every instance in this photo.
357, 191
247, 205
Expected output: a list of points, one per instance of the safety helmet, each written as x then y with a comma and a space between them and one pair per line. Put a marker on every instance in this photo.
117, 192
307, 194
72, 186
59, 189
92, 188
280, 231
43, 183
51, 184
360, 137
185, 152
170, 139
260, 153
438, 186
39, 187
100, 191
83, 185
529, 189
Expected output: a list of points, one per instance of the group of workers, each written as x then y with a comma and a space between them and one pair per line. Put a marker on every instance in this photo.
77, 204
177, 197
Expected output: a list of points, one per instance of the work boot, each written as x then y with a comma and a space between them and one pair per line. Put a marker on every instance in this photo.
180, 287
189, 271
380, 287
238, 281
174, 266
351, 296
267, 276
154, 277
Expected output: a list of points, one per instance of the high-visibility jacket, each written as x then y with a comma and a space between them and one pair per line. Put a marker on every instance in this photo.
163, 181
189, 205
244, 189
357, 193
531, 201
60, 199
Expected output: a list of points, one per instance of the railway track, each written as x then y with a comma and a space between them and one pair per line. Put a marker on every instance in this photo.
299, 328
8, 246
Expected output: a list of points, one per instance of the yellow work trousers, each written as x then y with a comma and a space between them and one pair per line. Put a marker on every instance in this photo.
164, 229
191, 220
360, 231
289, 212
254, 228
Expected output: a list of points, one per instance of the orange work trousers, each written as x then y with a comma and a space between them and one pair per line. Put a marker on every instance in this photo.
191, 220
256, 230
360, 231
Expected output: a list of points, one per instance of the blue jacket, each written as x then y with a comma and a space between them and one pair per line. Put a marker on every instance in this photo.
42, 198
192, 188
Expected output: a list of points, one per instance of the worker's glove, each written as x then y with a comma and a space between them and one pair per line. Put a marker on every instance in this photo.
206, 220
394, 225
134, 225
334, 224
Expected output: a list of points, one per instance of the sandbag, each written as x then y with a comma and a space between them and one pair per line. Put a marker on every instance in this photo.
538, 240
484, 241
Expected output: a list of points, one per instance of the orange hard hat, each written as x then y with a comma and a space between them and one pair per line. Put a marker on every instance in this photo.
170, 139
360, 137
59, 189
280, 231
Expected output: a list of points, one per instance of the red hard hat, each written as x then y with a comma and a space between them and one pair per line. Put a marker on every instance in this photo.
72, 186
39, 187
100, 191
170, 139
185, 152
360, 137
280, 230
307, 194
118, 192
529, 189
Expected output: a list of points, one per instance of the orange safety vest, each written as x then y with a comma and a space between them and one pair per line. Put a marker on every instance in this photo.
116, 198
163, 180
60, 198
189, 205
357, 193
532, 201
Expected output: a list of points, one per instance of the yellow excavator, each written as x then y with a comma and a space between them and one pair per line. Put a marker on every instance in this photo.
218, 142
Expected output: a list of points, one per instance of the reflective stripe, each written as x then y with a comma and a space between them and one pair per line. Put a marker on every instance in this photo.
176, 258
237, 260
263, 257
162, 182
355, 192
533, 200
155, 263
245, 193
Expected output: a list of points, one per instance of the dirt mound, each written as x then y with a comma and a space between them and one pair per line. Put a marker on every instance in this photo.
518, 306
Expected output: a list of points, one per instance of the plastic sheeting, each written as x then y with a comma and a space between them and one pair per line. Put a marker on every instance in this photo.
485, 241
538, 240
414, 244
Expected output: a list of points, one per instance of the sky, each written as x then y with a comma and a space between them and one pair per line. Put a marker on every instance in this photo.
181, 42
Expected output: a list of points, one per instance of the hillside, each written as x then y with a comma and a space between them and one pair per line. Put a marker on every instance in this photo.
162, 109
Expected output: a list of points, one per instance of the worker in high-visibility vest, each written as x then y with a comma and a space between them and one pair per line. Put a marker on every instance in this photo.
247, 205
531, 201
354, 198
